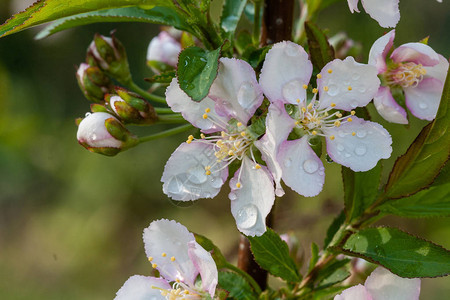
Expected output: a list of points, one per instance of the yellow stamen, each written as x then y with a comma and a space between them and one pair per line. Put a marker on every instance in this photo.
205, 116
172, 258
332, 137
257, 167
353, 133
349, 119
163, 254
207, 110
333, 104
208, 172
238, 185
314, 132
319, 76
303, 109
325, 88
339, 115
243, 133
330, 71
305, 86
150, 258
353, 112
337, 123
239, 124
202, 135
310, 106
298, 100
154, 266
315, 90
349, 88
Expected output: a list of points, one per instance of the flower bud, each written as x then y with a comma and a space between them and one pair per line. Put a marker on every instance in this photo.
102, 133
131, 108
163, 52
93, 82
109, 55
344, 46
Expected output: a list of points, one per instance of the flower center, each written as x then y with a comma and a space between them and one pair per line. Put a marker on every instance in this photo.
314, 120
406, 75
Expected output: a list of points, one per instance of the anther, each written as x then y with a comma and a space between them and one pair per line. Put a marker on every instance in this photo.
349, 88
257, 167
319, 76
238, 185
239, 124
330, 71
310, 106
207, 110
349, 119
305, 86
150, 258
333, 104
163, 254
353, 133
315, 90
298, 100
154, 266
303, 109
208, 172
243, 133
202, 136
205, 116
339, 115
337, 123
332, 137
314, 132
353, 112
325, 88
172, 258
230, 153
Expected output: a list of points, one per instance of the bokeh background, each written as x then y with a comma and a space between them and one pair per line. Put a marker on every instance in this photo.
71, 221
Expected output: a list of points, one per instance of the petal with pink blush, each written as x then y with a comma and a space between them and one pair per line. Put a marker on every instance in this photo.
278, 126
140, 287
388, 108
302, 170
385, 12
205, 264
347, 84
184, 177
235, 90
418, 53
383, 285
285, 71
252, 197
165, 239
438, 71
357, 292
353, 5
359, 144
423, 100
379, 50
193, 111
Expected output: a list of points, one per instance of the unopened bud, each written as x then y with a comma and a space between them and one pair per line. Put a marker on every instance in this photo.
131, 108
163, 51
109, 55
344, 46
102, 133
93, 82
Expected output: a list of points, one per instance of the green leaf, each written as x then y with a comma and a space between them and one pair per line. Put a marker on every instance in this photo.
422, 162
272, 254
197, 69
328, 293
444, 175
209, 246
336, 276
156, 15
327, 273
360, 190
231, 14
400, 252
320, 50
236, 285
44, 11
165, 77
432, 202
334, 227
314, 256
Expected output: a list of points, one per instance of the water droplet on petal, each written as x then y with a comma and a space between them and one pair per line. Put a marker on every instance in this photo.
340, 147
247, 216
175, 185
93, 137
216, 182
341, 133
246, 95
361, 133
87, 114
354, 103
310, 166
287, 162
347, 155
197, 175
291, 50
423, 105
355, 76
207, 195
362, 89
360, 150
232, 196
333, 90
293, 90
321, 171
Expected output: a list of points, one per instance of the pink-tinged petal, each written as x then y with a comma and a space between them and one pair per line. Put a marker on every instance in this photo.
359, 144
184, 175
423, 100
236, 91
92, 131
383, 285
379, 50
193, 111
438, 71
278, 126
418, 53
357, 292
285, 71
139, 287
205, 264
347, 84
165, 239
164, 48
353, 5
388, 108
252, 201
302, 170
385, 12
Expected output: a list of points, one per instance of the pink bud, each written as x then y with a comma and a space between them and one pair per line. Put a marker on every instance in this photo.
164, 48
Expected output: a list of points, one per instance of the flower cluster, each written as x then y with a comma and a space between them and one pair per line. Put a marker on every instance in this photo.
179, 259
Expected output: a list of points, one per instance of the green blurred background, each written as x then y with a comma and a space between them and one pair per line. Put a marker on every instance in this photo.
71, 221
